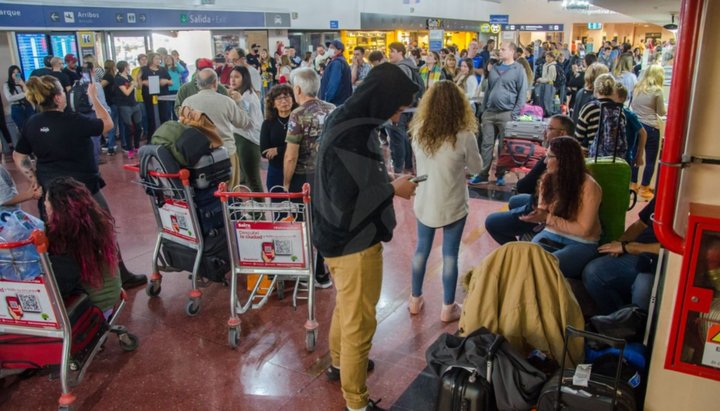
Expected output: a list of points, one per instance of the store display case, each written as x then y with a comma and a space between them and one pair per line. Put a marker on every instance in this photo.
694, 346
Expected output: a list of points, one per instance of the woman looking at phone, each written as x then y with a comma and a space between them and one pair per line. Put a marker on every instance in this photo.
14, 91
568, 204
443, 140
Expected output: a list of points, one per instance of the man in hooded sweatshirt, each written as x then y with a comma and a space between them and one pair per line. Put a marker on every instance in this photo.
336, 84
352, 214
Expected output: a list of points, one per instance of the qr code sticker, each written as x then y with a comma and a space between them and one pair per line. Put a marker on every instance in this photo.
182, 222
29, 303
283, 247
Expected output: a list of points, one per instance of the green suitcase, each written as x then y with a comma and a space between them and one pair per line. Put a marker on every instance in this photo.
613, 175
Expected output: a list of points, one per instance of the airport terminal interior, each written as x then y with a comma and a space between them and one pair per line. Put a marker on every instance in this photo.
400, 205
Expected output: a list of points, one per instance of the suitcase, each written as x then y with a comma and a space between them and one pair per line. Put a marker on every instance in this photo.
215, 261
211, 169
209, 211
517, 153
461, 389
602, 393
613, 176
27, 352
526, 130
158, 158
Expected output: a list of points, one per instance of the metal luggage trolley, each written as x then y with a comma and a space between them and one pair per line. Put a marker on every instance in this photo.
266, 239
177, 221
54, 322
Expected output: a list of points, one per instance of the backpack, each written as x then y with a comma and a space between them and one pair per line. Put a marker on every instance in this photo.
418, 80
610, 139
78, 98
185, 143
560, 79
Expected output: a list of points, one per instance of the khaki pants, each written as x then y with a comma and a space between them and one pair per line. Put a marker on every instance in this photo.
358, 280
234, 172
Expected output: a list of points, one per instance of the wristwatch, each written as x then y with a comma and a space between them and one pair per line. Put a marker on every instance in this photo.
623, 244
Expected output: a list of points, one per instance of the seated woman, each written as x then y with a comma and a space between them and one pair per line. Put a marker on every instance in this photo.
568, 204
611, 279
83, 249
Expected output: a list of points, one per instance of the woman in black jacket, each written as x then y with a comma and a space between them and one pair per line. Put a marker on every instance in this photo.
279, 103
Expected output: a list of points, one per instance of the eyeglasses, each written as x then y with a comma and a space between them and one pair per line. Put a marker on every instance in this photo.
283, 97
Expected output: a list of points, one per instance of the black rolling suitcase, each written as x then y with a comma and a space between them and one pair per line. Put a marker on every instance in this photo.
215, 261
211, 169
602, 392
463, 389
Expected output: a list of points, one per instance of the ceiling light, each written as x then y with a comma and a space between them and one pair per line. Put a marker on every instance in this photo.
672, 26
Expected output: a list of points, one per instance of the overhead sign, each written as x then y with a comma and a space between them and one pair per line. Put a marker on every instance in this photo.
499, 18
595, 26
334, 24
433, 24
533, 27
495, 28
485, 28
66, 17
435, 38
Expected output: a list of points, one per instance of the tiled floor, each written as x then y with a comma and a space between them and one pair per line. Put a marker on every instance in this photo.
185, 363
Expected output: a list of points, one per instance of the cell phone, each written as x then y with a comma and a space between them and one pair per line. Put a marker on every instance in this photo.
87, 78
419, 179
552, 244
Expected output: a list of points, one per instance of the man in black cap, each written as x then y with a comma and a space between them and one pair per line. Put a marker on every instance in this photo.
253, 58
353, 214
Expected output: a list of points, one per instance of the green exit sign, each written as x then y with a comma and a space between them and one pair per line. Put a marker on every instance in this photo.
183, 18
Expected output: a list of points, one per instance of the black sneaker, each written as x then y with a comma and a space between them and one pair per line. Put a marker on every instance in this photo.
372, 406
323, 281
333, 374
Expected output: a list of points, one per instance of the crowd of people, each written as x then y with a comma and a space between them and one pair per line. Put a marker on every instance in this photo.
322, 120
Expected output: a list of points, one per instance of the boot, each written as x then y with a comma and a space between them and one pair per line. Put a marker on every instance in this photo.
130, 280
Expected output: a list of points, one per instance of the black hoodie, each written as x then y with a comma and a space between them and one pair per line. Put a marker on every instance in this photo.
352, 195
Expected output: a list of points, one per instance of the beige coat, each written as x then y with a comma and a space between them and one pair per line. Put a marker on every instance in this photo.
519, 292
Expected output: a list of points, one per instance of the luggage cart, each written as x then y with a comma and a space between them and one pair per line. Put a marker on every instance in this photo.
176, 221
54, 322
266, 239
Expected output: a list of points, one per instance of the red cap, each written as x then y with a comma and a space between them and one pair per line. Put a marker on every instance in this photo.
70, 57
204, 63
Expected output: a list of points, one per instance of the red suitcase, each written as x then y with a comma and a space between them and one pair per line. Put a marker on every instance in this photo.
88, 326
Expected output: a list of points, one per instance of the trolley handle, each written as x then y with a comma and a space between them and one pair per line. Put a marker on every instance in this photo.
224, 194
183, 174
37, 237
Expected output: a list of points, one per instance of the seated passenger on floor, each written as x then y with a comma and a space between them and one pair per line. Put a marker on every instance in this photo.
505, 226
615, 279
568, 204
83, 250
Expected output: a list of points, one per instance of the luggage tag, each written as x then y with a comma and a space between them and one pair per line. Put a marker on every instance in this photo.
582, 375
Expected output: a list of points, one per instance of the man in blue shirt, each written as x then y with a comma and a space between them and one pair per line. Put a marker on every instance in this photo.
336, 84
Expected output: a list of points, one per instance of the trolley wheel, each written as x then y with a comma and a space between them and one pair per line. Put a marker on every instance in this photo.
128, 342
192, 308
310, 340
234, 336
153, 288
280, 289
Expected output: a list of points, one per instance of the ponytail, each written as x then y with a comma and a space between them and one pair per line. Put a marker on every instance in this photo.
41, 92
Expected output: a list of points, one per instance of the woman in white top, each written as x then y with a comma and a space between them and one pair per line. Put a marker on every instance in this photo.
247, 139
14, 91
443, 140
648, 103
467, 81
624, 72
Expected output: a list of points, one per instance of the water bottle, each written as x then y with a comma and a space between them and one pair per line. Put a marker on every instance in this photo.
556, 104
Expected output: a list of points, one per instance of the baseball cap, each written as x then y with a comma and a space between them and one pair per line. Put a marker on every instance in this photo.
337, 44
70, 58
204, 63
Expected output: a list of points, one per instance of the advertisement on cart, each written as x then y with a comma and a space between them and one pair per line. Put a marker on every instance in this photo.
271, 245
26, 303
176, 220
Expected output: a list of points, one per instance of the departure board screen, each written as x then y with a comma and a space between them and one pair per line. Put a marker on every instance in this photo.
32, 47
63, 44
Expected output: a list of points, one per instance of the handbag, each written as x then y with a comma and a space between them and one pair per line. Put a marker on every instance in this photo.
517, 153
516, 383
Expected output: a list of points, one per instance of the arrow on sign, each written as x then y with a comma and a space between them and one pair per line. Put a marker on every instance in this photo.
142, 18
119, 17
54, 16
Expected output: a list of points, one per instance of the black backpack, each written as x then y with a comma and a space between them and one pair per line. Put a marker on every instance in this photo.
560, 79
418, 80
78, 98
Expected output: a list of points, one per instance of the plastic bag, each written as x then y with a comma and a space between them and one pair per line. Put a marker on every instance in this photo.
21, 263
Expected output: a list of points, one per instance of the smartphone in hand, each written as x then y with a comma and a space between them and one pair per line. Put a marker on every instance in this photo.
419, 179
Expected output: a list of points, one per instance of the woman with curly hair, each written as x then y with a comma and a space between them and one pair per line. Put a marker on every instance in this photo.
279, 103
83, 249
568, 204
443, 140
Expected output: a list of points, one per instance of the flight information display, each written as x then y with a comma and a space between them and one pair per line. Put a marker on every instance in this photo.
32, 47
63, 44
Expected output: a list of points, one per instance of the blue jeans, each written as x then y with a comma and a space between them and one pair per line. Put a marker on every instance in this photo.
609, 281
112, 134
20, 115
397, 133
642, 290
452, 234
573, 256
274, 177
652, 146
505, 226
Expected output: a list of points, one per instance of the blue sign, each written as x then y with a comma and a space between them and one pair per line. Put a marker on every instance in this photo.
334, 24
499, 18
533, 27
64, 17
32, 48
594, 26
